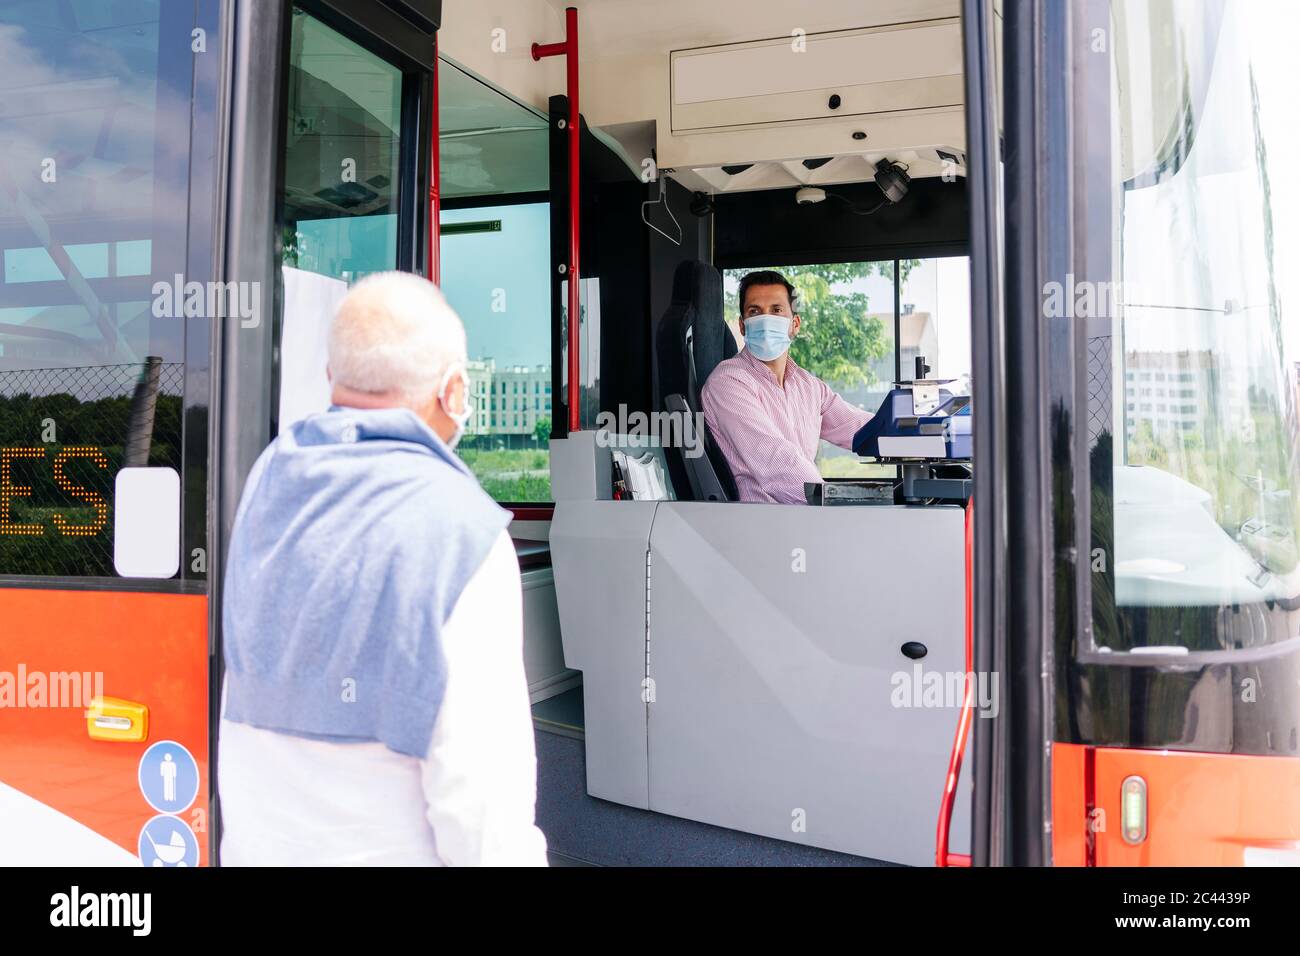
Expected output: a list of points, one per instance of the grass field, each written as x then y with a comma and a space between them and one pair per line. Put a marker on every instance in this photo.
509, 474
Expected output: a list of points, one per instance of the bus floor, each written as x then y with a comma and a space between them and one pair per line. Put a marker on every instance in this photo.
582, 830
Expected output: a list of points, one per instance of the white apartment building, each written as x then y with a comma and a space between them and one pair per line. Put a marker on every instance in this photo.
509, 400
1183, 392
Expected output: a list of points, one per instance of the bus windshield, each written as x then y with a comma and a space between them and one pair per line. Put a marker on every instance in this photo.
1194, 465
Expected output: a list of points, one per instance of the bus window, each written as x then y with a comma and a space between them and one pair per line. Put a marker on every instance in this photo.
846, 338
859, 340
495, 249
341, 168
507, 316
338, 206
934, 320
98, 333
1194, 465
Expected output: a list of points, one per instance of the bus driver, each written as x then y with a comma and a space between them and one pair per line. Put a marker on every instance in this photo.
764, 411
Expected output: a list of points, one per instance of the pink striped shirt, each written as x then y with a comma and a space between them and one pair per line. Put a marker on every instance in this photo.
769, 434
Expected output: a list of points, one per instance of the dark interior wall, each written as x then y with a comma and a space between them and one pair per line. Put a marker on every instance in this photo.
665, 256
636, 266
618, 252
768, 228
633, 263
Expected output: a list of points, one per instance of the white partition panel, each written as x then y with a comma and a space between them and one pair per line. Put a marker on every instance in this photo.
783, 704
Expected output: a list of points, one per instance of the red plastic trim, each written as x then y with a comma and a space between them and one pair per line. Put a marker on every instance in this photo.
532, 512
941, 855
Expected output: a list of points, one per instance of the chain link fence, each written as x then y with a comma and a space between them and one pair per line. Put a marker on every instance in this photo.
64, 435
1100, 395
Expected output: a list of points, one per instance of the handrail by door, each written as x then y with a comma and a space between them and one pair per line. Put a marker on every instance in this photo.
941, 855
569, 50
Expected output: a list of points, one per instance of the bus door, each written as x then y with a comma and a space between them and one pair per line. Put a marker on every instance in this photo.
330, 182
106, 216
1148, 323
141, 323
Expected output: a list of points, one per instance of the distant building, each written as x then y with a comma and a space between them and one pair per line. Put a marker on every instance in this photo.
480, 387
1184, 393
508, 401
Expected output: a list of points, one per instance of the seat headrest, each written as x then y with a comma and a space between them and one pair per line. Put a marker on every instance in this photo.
699, 284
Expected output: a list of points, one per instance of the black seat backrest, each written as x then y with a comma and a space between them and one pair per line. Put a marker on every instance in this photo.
692, 338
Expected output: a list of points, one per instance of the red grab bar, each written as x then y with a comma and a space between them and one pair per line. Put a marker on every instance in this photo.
569, 50
941, 855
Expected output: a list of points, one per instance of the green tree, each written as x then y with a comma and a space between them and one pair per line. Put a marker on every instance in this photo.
542, 430
837, 339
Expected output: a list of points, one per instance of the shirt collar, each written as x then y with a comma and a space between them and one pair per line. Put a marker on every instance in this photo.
759, 368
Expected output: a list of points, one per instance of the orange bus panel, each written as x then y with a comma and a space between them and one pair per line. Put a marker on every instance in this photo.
149, 647
1202, 809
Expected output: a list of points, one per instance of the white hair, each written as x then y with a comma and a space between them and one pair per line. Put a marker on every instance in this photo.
394, 332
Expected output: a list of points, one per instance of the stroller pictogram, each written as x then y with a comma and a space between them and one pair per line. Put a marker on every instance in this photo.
171, 853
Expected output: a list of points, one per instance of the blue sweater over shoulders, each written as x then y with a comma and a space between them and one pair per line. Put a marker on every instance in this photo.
356, 534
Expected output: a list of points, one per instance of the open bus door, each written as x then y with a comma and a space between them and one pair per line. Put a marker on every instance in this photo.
1145, 612
106, 211
160, 319
753, 666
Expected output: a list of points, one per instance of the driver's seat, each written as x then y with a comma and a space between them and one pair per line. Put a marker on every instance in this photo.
692, 338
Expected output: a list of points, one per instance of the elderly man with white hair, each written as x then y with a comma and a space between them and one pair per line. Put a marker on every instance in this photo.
375, 705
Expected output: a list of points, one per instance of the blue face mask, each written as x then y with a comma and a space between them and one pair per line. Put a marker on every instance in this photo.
767, 336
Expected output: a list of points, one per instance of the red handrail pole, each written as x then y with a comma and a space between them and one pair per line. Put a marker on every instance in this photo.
575, 299
941, 855
569, 49
433, 266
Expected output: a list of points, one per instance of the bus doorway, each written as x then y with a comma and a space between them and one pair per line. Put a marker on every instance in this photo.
754, 674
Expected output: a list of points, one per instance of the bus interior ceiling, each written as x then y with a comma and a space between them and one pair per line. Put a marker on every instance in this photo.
701, 124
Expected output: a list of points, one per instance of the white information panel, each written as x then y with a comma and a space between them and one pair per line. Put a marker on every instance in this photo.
147, 522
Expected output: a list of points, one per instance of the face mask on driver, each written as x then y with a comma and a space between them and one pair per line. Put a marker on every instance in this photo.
462, 417
767, 336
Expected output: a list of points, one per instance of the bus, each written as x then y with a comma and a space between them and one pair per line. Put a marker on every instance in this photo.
1073, 643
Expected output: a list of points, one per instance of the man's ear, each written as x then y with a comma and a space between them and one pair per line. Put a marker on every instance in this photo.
742, 324
794, 326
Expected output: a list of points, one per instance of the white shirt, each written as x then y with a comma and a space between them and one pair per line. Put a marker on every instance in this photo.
291, 801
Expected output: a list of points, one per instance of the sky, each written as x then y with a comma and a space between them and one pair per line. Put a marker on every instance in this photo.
499, 282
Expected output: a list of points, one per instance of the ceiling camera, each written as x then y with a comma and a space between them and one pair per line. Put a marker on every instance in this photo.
892, 180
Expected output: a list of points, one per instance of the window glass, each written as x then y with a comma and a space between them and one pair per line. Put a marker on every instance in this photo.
339, 205
847, 333
934, 319
490, 144
1193, 375
94, 193
495, 274
846, 338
